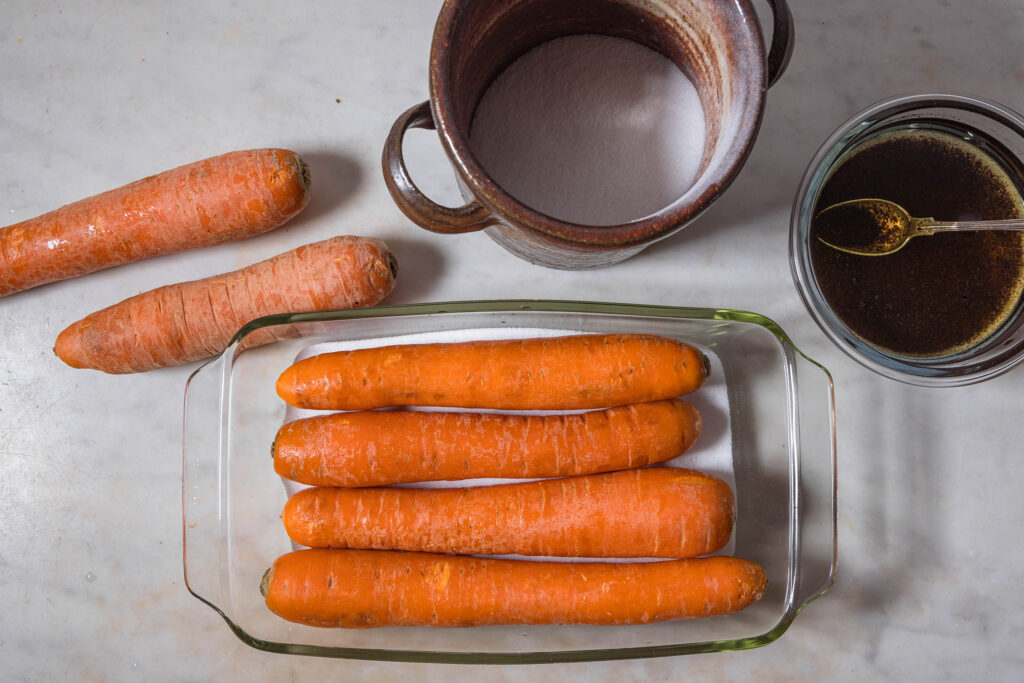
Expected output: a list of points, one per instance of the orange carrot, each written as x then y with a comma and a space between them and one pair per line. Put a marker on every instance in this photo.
192, 320
377, 448
650, 512
225, 198
367, 588
564, 373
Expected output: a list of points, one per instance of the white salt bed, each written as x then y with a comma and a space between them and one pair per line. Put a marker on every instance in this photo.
591, 129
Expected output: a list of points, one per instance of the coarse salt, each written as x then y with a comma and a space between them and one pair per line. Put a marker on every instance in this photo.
591, 129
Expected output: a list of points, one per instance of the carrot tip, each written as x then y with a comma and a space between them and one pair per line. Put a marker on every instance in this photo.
67, 349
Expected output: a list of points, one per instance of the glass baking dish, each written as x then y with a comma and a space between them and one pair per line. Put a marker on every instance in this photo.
781, 427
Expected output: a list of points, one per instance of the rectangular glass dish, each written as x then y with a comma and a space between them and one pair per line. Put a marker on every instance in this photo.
781, 430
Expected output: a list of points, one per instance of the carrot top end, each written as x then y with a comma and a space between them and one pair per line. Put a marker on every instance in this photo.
705, 363
265, 582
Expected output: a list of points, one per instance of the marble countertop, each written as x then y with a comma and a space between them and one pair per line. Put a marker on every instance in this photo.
97, 94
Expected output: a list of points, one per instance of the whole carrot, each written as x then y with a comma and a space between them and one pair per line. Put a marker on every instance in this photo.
377, 448
225, 198
649, 512
192, 320
563, 373
367, 588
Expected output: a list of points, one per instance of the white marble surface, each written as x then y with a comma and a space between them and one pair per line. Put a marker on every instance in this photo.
95, 94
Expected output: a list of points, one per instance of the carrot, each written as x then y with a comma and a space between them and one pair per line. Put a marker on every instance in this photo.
367, 588
192, 320
650, 512
225, 198
576, 372
377, 448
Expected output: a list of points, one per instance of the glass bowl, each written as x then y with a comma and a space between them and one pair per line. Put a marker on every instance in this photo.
780, 422
975, 119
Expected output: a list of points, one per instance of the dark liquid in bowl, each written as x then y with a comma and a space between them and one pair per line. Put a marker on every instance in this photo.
940, 294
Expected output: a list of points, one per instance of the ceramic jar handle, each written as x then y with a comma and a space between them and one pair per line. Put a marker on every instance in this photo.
782, 40
413, 203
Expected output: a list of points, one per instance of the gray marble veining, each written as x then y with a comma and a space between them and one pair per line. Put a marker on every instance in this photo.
93, 95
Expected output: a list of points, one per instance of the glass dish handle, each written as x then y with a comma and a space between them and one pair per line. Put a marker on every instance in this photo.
816, 433
204, 521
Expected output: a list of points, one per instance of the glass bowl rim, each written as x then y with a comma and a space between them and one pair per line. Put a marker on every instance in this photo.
920, 372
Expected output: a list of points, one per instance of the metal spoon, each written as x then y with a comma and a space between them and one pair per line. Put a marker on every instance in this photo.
876, 227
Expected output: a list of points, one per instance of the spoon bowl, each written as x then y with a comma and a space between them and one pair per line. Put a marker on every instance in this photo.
877, 227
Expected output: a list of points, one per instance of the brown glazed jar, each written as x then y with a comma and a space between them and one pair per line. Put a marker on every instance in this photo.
717, 45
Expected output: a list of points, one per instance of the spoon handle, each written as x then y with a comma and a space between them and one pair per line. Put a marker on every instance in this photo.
965, 226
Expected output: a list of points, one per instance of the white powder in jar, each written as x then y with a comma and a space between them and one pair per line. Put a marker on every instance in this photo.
591, 129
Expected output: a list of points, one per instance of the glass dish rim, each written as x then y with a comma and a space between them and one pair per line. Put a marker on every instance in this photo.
556, 656
907, 370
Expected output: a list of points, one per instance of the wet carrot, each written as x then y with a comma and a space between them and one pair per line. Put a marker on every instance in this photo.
367, 588
649, 512
377, 448
563, 373
192, 320
221, 199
